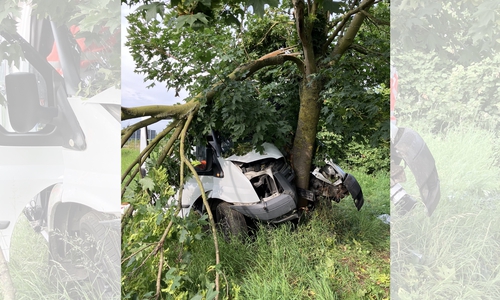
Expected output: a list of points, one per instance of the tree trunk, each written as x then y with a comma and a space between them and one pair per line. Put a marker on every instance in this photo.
310, 107
305, 136
6, 286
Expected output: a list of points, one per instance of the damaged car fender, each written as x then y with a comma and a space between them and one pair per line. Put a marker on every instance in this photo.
332, 182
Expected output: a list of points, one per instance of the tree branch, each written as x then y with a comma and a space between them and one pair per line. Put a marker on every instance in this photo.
180, 111
364, 50
179, 206
184, 160
375, 20
127, 132
160, 242
359, 49
313, 8
141, 158
137, 251
158, 276
151, 145
343, 21
247, 70
346, 41
304, 31
168, 147
158, 111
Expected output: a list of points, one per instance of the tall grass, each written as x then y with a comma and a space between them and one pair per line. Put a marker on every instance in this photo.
335, 252
129, 153
35, 277
455, 254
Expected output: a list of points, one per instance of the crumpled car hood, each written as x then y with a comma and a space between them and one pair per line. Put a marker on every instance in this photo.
270, 151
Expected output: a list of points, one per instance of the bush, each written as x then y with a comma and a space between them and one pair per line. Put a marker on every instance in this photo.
352, 154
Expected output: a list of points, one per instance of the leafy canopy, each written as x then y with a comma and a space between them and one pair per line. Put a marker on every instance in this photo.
197, 54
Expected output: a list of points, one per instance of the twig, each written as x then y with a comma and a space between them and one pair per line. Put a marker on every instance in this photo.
269, 30
158, 277
127, 132
166, 149
151, 145
135, 253
160, 242
133, 174
206, 204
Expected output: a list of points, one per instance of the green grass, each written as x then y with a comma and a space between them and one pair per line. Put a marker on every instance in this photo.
129, 153
29, 262
34, 276
336, 252
29, 266
455, 253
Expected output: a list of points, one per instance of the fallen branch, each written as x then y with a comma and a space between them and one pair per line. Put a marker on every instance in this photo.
127, 132
205, 202
158, 111
141, 158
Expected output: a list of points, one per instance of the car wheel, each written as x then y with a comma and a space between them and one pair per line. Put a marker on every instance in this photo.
231, 223
101, 248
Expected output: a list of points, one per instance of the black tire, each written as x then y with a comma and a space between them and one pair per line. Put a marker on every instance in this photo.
102, 252
231, 223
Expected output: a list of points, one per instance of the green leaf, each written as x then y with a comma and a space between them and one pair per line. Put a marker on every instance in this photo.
130, 261
202, 17
191, 20
259, 5
207, 3
147, 183
183, 236
159, 219
211, 294
152, 10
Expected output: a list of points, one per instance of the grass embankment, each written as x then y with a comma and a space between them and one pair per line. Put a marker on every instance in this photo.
454, 254
336, 252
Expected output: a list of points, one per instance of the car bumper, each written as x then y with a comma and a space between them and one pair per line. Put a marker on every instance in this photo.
274, 207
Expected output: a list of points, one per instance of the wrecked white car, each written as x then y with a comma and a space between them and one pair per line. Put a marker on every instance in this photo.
259, 186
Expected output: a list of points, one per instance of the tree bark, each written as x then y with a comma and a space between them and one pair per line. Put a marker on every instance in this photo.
310, 106
351, 32
305, 136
